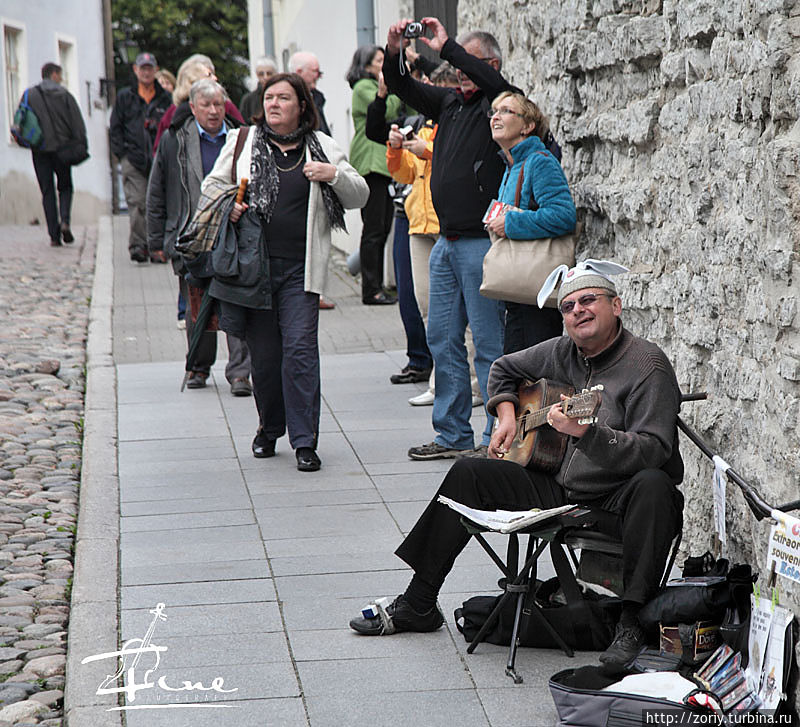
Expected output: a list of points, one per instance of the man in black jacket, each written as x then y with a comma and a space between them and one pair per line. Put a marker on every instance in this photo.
185, 155
466, 174
61, 122
134, 122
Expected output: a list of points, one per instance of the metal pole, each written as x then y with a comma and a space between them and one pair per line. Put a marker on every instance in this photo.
365, 22
269, 31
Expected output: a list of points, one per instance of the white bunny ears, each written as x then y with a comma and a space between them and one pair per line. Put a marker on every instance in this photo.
586, 274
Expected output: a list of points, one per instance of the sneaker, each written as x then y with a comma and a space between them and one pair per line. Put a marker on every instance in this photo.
628, 642
476, 400
481, 452
410, 375
240, 386
139, 254
435, 451
398, 616
181, 324
196, 380
424, 399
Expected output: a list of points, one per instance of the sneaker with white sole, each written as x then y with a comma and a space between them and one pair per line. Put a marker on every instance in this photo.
435, 451
423, 399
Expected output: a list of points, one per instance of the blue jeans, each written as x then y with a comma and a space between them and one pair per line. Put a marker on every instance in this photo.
419, 357
456, 269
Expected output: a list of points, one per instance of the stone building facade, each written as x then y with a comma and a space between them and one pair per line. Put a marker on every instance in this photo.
679, 126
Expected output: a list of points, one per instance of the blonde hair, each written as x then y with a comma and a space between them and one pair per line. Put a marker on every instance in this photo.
529, 112
163, 74
191, 70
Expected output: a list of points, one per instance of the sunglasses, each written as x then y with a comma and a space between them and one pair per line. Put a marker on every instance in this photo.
586, 300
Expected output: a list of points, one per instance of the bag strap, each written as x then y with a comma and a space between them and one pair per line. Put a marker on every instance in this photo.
518, 194
241, 138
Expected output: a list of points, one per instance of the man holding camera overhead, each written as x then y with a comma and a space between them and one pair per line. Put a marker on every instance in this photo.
466, 174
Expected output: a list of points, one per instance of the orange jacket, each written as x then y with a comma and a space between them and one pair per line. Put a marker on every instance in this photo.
407, 168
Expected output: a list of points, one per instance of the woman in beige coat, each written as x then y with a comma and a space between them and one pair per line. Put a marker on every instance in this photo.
299, 185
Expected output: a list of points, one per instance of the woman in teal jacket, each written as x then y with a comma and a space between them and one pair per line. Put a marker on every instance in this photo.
369, 160
546, 205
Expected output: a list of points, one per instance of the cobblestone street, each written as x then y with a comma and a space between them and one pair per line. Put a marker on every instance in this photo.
45, 299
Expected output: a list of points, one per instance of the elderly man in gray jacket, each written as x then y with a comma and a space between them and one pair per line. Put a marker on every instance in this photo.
185, 156
627, 464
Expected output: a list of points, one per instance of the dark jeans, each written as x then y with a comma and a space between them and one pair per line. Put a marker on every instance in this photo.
284, 356
419, 357
377, 218
46, 164
646, 513
527, 325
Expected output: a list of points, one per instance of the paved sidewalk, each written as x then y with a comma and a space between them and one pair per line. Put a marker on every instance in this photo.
260, 567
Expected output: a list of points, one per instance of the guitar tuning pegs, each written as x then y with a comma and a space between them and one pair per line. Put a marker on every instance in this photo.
588, 420
598, 387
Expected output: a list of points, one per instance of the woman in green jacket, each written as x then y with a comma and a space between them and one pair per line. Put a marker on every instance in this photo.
369, 159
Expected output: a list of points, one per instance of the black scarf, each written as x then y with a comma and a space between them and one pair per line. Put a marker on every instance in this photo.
264, 179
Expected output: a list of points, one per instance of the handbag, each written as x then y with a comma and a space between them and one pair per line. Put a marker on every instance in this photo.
515, 270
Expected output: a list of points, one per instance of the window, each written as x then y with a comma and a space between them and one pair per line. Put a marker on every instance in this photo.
13, 58
68, 63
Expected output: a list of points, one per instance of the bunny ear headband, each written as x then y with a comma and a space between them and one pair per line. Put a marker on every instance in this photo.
586, 274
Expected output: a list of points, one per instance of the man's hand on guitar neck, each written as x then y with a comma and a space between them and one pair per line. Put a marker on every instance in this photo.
562, 423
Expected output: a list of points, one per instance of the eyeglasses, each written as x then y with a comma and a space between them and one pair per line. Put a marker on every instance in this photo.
586, 300
491, 113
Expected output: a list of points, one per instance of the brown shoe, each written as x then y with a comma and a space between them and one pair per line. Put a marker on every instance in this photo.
197, 380
241, 387
326, 304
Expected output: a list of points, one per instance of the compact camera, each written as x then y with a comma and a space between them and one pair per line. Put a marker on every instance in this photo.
407, 132
414, 30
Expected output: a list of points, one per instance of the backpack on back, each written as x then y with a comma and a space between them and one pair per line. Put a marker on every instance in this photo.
26, 130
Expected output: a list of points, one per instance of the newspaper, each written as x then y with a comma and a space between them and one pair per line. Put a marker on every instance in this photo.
504, 521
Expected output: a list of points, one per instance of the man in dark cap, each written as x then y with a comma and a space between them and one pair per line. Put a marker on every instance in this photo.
134, 122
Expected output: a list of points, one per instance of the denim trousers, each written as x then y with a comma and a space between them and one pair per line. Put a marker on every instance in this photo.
456, 270
419, 357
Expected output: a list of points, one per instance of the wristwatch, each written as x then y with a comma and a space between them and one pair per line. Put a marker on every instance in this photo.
335, 176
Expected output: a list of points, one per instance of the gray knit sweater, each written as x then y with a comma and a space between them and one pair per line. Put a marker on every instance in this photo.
636, 426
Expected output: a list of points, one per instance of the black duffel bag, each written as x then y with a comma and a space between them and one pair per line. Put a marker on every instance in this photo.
585, 621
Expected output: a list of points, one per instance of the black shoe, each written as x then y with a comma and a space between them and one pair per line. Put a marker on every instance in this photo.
196, 380
55, 242
263, 446
139, 254
401, 618
66, 233
410, 375
628, 642
307, 460
380, 299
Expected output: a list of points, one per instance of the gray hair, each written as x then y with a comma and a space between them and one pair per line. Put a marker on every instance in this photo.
489, 45
299, 60
206, 87
265, 62
200, 58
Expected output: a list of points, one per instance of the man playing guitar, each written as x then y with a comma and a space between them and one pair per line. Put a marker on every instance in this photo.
626, 463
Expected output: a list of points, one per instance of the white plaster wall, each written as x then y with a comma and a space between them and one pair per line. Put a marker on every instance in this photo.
46, 23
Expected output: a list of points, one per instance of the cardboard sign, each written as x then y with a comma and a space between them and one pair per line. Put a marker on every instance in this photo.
784, 546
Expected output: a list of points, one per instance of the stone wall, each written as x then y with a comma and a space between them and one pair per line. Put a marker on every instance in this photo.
678, 122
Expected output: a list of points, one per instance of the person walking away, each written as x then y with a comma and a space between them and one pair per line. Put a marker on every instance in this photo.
61, 122
369, 159
299, 185
134, 122
547, 210
187, 153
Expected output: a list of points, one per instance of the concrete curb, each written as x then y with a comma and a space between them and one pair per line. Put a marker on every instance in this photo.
94, 619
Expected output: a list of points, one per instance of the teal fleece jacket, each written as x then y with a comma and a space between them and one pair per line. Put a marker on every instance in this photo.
544, 182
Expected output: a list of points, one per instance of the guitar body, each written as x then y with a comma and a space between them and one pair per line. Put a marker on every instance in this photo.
541, 448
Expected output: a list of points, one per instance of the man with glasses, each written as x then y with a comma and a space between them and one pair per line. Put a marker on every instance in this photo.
626, 464
465, 175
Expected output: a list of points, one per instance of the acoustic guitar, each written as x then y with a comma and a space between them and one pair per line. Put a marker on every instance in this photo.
536, 444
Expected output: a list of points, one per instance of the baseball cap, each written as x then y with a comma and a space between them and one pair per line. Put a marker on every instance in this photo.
146, 59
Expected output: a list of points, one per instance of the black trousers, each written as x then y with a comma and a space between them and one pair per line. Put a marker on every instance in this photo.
646, 513
284, 357
46, 164
377, 218
527, 325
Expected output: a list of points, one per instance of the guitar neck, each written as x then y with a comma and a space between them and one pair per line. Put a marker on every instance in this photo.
535, 418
